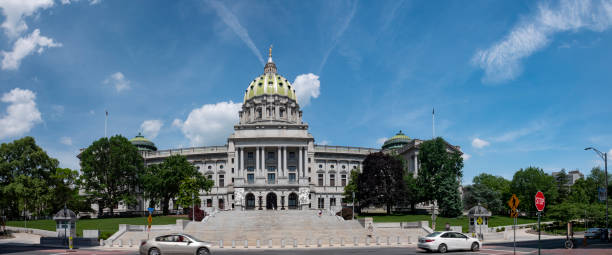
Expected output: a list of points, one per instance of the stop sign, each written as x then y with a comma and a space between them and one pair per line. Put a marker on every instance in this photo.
540, 201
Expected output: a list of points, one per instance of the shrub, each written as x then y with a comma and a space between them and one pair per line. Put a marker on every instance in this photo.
105, 235
199, 214
346, 213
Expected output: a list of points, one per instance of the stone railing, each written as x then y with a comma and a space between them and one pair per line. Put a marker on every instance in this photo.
345, 149
185, 151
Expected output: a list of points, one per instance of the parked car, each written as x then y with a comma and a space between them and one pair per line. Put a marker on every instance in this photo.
174, 244
447, 241
595, 233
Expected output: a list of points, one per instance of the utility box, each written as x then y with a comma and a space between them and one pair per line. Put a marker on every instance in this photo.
479, 219
65, 222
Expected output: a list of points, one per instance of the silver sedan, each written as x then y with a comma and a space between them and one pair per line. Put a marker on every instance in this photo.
174, 244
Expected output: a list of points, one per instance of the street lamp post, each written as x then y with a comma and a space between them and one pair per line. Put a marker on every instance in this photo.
604, 156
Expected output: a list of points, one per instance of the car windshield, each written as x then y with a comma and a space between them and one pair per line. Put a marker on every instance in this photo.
593, 229
434, 234
192, 238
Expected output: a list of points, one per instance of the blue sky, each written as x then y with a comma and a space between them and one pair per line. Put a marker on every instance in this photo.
514, 83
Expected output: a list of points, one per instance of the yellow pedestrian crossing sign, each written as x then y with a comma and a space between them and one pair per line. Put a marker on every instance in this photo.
479, 220
513, 203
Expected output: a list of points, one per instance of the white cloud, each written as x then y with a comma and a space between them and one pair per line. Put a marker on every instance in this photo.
150, 128
210, 124
502, 61
514, 134
381, 141
232, 21
66, 140
16, 11
479, 143
25, 46
119, 81
306, 87
466, 156
21, 114
610, 154
324, 142
91, 2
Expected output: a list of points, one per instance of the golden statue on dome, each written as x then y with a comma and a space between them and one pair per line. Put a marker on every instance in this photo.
270, 54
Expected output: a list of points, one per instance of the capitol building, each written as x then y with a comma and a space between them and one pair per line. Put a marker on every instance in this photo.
271, 161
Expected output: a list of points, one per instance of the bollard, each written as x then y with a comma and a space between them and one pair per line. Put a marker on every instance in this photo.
233, 243
355, 241
220, 243
318, 242
258, 246
378, 240
130, 243
101, 242
398, 240
246, 243
120, 243
341, 241
331, 242
388, 241
269, 243
307, 243
294, 243
367, 241
282, 243
410, 239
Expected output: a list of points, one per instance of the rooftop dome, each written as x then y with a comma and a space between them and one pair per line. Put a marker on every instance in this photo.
397, 141
270, 83
142, 143
64, 214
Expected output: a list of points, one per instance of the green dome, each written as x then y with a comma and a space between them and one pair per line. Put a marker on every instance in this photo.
270, 83
142, 143
397, 141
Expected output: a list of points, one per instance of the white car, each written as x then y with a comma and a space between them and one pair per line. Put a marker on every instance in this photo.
446, 241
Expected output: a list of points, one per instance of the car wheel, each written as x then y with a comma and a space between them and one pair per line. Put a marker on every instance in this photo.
475, 246
203, 251
442, 248
154, 251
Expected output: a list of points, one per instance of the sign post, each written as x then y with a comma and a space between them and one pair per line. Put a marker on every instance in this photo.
540, 202
149, 220
513, 203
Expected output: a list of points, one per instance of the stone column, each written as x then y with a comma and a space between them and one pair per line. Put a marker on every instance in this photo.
299, 168
278, 166
242, 162
263, 161
416, 164
285, 160
236, 162
257, 158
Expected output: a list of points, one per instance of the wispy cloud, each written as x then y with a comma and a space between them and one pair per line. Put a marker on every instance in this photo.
502, 61
466, 156
26, 46
338, 34
16, 11
381, 141
150, 128
119, 81
66, 140
515, 134
232, 21
479, 143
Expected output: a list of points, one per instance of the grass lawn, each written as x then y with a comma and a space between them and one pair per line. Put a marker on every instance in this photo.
462, 221
107, 226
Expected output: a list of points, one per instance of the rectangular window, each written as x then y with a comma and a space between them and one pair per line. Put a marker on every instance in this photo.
332, 180
251, 178
291, 168
232, 180
232, 160
250, 155
332, 201
291, 155
271, 178
208, 202
344, 180
250, 169
232, 170
221, 180
309, 170
291, 177
271, 168
308, 160
320, 179
321, 203
270, 155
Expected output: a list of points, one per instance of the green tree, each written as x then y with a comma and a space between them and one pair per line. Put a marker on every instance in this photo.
351, 187
162, 182
439, 175
527, 182
496, 183
413, 191
382, 181
491, 199
25, 169
562, 183
191, 187
111, 170
566, 211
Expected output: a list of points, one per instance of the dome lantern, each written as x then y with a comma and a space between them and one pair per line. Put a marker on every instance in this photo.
397, 141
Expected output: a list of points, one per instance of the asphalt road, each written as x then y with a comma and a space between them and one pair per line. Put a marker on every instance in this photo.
595, 247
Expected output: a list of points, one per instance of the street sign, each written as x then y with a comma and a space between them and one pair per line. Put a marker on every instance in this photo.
150, 219
479, 220
513, 203
540, 201
151, 210
602, 194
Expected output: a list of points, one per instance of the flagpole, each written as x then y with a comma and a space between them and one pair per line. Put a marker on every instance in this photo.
433, 123
105, 121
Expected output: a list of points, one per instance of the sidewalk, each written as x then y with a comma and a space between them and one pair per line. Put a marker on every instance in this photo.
22, 238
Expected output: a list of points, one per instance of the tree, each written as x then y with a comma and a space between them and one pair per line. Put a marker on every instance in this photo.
25, 169
496, 183
527, 182
351, 187
111, 170
566, 211
413, 191
189, 190
439, 175
381, 182
162, 182
562, 183
491, 199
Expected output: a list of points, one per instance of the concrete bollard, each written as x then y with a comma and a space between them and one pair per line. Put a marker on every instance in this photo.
258, 245
130, 243
367, 241
101, 242
355, 241
388, 241
233, 243
378, 240
318, 242
269, 243
410, 239
307, 243
331, 242
398, 240
120, 243
220, 243
282, 243
341, 241
246, 243
294, 243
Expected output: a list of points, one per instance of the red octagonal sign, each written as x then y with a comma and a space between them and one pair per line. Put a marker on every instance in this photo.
540, 201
